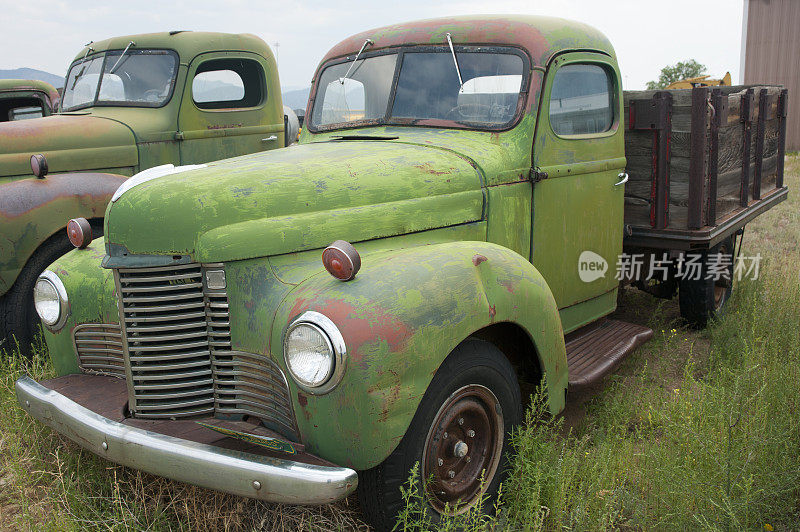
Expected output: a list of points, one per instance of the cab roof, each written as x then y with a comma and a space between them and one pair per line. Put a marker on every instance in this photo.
541, 37
29, 85
188, 44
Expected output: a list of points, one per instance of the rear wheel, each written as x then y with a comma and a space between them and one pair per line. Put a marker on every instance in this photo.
704, 299
459, 436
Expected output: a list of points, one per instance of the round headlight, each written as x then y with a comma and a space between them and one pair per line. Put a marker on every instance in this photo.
50, 299
314, 352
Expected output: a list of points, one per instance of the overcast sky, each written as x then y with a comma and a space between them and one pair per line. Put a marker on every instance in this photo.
647, 34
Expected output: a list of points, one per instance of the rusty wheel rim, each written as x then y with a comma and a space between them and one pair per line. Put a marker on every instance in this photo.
463, 445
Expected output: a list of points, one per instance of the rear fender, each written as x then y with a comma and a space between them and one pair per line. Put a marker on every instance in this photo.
32, 210
400, 317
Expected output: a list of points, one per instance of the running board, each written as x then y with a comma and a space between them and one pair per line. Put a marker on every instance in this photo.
596, 350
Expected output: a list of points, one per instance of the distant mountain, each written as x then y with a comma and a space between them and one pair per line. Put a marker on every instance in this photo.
296, 99
32, 73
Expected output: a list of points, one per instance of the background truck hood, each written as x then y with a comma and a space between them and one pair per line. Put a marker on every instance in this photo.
302, 197
70, 143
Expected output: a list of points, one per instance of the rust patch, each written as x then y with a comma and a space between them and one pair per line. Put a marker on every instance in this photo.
428, 167
20, 197
302, 399
478, 258
508, 285
364, 325
492, 311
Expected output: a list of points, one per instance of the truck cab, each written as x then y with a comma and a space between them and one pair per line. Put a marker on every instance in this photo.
23, 99
375, 297
129, 103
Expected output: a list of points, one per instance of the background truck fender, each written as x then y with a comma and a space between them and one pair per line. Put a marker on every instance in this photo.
32, 210
401, 316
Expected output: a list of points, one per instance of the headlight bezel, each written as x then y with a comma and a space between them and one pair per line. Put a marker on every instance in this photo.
336, 341
63, 301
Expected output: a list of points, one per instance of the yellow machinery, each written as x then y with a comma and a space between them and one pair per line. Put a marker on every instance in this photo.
700, 81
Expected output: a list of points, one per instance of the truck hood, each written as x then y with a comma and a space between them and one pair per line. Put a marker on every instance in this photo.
70, 142
298, 198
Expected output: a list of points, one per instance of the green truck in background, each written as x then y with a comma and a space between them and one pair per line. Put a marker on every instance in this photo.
22, 99
295, 325
130, 103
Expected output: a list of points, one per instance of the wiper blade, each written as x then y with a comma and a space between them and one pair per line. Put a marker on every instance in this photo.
455, 62
121, 56
79, 75
367, 42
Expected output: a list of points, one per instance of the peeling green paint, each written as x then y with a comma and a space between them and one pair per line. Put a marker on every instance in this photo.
454, 237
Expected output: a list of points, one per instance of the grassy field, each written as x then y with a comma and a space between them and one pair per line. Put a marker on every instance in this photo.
697, 430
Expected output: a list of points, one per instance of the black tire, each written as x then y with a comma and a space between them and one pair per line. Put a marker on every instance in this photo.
704, 299
19, 323
474, 364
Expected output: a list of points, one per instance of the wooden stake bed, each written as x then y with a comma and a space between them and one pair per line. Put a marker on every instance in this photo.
595, 350
702, 162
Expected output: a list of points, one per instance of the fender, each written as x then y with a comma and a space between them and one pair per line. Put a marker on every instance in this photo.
32, 210
400, 317
92, 299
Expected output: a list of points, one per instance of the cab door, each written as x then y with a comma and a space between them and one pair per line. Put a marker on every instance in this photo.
231, 106
578, 197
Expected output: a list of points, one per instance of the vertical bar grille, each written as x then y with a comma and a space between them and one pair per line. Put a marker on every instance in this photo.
178, 357
99, 349
166, 334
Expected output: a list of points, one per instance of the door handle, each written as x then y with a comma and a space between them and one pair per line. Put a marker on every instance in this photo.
623, 179
271, 137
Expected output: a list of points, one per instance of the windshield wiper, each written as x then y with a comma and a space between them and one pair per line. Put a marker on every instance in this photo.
367, 42
121, 56
455, 62
83, 68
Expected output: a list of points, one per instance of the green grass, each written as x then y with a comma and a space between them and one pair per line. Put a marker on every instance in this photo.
697, 430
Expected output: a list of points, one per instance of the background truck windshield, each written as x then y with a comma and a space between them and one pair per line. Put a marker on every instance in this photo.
427, 88
139, 78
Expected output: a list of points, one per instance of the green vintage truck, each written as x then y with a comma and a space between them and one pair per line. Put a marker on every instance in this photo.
130, 103
295, 325
22, 99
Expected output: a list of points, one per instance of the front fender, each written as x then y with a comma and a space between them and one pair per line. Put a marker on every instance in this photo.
90, 291
401, 316
32, 210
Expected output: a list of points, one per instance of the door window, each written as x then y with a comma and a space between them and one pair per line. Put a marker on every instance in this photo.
228, 83
581, 100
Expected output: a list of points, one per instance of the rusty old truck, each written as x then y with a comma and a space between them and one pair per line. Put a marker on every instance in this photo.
130, 103
295, 325
22, 99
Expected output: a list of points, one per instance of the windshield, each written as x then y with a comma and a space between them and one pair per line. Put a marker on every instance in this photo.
427, 88
138, 78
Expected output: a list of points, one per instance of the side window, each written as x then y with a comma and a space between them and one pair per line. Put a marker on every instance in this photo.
24, 113
228, 83
582, 100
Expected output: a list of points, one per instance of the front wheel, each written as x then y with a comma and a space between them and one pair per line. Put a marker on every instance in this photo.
459, 436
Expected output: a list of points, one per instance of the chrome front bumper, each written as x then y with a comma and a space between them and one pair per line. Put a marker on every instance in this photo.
235, 472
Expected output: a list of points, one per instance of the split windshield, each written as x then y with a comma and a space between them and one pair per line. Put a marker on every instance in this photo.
137, 78
427, 88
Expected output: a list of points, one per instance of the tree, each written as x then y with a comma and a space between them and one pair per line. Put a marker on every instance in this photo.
678, 71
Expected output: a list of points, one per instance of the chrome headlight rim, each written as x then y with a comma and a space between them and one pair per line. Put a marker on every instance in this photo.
336, 341
63, 301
